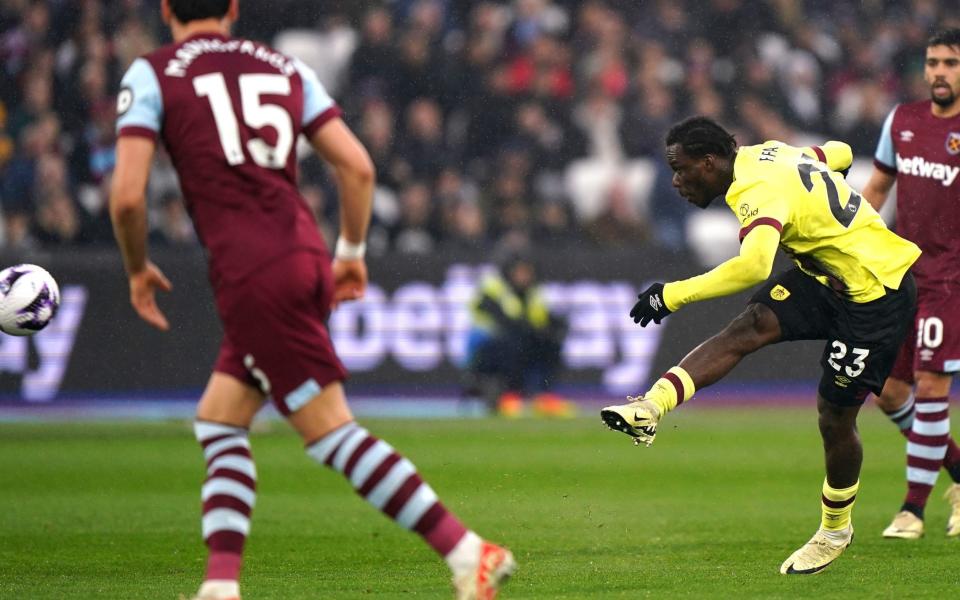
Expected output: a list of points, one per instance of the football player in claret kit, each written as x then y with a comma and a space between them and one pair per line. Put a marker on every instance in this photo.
919, 150
229, 112
851, 287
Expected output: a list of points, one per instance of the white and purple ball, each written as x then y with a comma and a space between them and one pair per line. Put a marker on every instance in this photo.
29, 298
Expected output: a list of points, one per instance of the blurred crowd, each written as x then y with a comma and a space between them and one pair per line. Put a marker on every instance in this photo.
539, 120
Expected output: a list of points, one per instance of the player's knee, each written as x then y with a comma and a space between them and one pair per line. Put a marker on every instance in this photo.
888, 400
894, 394
933, 385
752, 329
837, 423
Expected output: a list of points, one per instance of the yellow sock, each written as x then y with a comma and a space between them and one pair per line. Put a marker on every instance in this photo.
671, 390
837, 506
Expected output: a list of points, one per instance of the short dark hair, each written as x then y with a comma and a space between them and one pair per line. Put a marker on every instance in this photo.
194, 10
700, 136
944, 37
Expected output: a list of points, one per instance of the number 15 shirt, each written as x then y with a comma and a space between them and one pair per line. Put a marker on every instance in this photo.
229, 112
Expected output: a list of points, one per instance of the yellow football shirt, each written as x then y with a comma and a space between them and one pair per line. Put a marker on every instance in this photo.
824, 226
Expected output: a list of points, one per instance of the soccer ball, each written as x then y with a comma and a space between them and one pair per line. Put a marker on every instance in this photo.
29, 298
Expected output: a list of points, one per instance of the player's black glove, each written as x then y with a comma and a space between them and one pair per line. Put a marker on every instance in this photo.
650, 306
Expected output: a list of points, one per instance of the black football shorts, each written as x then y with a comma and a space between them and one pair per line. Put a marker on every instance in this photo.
862, 338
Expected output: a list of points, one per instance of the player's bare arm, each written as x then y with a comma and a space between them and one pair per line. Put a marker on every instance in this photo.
878, 188
355, 177
128, 211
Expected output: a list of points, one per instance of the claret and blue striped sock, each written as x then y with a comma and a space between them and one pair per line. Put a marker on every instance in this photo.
390, 482
228, 495
902, 416
926, 449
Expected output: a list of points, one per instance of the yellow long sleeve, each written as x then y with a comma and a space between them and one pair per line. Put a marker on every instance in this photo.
750, 267
837, 155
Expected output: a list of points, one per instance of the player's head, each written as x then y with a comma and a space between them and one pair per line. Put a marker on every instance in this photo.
942, 68
185, 11
701, 154
516, 266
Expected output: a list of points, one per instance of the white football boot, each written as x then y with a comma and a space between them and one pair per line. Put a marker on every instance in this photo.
638, 418
905, 526
817, 554
494, 567
953, 497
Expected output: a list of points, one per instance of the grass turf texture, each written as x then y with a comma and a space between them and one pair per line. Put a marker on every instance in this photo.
710, 511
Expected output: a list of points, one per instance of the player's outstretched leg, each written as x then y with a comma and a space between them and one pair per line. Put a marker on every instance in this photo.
754, 328
640, 416
390, 482
228, 495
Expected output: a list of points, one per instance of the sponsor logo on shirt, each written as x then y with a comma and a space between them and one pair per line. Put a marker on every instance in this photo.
918, 166
906, 135
746, 213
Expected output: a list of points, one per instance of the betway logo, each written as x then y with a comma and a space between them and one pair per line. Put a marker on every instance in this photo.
421, 325
43, 368
920, 167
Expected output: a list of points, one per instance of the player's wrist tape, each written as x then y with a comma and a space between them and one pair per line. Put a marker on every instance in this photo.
349, 251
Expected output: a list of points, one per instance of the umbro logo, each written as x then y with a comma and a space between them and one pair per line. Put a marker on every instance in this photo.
655, 302
906, 135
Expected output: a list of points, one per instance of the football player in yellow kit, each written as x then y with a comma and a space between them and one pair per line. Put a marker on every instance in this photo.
851, 287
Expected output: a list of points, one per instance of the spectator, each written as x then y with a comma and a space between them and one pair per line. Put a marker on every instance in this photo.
58, 221
415, 233
513, 348
374, 62
444, 85
423, 151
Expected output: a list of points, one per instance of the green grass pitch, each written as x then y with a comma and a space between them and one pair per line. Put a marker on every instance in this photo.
710, 511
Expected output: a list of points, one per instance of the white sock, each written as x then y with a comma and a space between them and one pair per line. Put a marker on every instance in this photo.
837, 537
465, 555
219, 588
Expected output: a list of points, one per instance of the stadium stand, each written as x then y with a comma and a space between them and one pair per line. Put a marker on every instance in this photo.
541, 119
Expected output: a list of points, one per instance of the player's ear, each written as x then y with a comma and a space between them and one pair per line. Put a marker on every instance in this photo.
709, 162
165, 11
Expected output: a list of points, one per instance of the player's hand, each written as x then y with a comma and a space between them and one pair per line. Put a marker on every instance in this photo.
143, 287
650, 306
349, 280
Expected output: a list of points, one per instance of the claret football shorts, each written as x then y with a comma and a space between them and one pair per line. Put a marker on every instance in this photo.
933, 341
863, 339
275, 336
